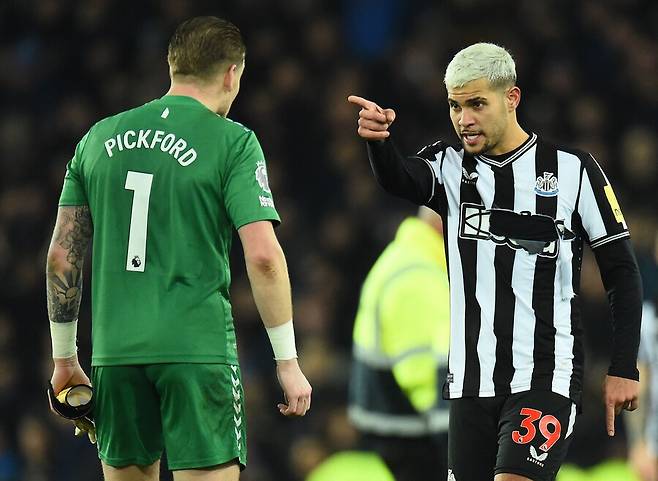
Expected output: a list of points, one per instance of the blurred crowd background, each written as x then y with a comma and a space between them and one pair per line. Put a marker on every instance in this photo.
588, 73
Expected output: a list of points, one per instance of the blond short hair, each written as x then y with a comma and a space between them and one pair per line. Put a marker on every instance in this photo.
481, 60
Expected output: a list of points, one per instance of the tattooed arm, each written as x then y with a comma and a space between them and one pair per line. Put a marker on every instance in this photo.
66, 254
73, 230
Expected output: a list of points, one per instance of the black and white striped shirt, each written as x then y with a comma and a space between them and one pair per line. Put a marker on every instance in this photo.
514, 229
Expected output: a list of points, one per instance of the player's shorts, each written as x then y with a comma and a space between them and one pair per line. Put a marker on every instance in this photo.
194, 411
526, 433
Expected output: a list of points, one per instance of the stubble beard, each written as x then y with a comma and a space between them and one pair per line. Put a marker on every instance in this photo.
486, 147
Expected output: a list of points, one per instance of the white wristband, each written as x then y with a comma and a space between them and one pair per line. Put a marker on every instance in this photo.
63, 335
282, 339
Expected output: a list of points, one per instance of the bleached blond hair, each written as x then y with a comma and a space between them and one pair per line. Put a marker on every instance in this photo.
481, 60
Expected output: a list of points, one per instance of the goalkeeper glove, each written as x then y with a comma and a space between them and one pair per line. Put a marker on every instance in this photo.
75, 403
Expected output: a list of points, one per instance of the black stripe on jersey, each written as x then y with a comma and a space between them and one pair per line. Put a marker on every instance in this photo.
576, 387
439, 200
543, 289
468, 253
597, 178
505, 299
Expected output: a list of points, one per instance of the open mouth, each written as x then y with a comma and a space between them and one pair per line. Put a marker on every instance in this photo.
471, 138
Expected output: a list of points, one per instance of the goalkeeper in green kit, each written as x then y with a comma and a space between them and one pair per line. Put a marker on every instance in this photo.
160, 189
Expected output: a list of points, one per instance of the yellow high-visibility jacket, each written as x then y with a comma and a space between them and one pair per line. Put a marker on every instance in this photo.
401, 338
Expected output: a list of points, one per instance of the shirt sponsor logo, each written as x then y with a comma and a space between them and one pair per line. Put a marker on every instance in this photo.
261, 176
546, 186
469, 178
474, 224
266, 201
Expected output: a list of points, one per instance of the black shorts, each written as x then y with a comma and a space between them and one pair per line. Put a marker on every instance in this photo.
526, 433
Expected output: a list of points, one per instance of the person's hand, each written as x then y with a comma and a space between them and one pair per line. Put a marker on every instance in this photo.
373, 120
67, 373
295, 387
619, 394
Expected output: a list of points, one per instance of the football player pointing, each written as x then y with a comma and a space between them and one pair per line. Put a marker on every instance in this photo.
516, 211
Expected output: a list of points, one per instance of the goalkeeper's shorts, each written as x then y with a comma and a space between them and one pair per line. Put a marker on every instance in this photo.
194, 411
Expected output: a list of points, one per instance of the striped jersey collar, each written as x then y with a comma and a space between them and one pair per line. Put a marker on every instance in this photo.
504, 159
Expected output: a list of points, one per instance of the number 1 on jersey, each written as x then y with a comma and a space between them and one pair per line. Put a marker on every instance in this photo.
140, 184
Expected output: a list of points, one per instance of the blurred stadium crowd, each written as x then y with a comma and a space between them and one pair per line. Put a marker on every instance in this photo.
587, 70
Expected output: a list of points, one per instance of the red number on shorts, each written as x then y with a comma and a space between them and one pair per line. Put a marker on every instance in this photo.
551, 436
532, 415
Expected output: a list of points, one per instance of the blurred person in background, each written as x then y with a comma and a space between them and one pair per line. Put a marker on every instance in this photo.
400, 353
516, 212
643, 429
161, 188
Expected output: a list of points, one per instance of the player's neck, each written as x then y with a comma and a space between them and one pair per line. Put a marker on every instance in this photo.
210, 99
514, 137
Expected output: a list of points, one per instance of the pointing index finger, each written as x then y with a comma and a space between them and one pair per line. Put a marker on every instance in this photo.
361, 102
610, 418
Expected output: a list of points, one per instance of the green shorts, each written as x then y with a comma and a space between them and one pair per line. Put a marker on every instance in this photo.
194, 411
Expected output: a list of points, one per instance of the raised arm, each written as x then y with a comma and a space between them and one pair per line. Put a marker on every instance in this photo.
408, 177
268, 276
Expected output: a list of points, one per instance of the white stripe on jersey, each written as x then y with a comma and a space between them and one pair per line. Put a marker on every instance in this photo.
569, 172
523, 274
485, 290
457, 306
605, 240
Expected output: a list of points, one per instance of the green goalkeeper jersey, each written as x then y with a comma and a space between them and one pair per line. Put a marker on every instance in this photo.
166, 184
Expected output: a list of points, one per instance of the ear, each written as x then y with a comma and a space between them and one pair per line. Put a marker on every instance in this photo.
513, 98
230, 77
